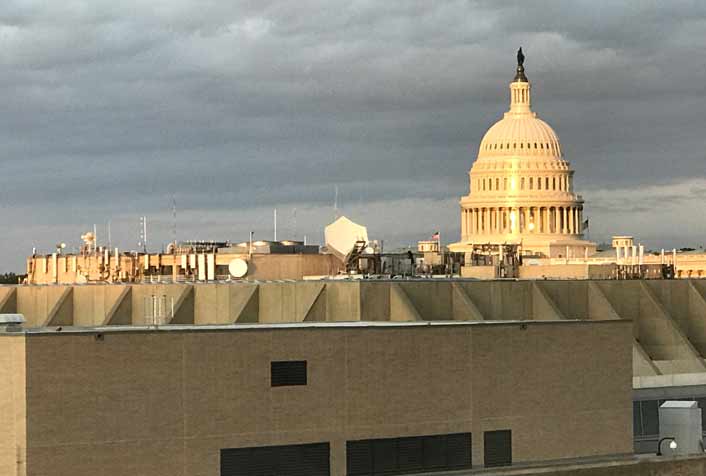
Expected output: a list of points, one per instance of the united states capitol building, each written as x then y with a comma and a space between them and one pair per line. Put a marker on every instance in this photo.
523, 218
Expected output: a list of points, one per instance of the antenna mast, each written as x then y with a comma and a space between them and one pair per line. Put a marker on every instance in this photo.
335, 201
143, 233
174, 220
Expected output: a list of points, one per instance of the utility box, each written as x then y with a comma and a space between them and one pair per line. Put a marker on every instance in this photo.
682, 421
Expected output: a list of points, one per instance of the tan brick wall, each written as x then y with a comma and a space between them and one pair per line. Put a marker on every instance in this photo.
165, 403
13, 436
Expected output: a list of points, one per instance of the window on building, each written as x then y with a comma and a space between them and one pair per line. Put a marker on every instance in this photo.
522, 183
497, 184
505, 184
539, 183
553, 183
288, 373
546, 183
531, 183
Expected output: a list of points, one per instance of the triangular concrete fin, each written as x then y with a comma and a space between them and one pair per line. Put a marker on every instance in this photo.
599, 308
642, 364
401, 308
245, 306
317, 310
183, 312
464, 309
305, 295
8, 300
120, 311
543, 307
669, 343
62, 312
697, 317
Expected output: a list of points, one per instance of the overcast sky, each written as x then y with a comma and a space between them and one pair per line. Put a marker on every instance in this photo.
110, 109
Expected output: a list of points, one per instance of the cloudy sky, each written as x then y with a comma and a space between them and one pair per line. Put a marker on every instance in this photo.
111, 110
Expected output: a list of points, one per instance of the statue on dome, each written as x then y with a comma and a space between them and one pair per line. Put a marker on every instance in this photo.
520, 76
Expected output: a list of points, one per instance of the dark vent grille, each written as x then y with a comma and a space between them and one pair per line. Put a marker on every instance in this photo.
288, 373
406, 455
289, 460
497, 448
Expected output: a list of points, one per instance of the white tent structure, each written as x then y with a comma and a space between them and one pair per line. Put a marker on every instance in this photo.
342, 234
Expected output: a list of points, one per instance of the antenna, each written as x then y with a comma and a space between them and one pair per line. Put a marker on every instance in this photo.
275, 218
335, 201
110, 241
95, 237
295, 223
143, 233
174, 220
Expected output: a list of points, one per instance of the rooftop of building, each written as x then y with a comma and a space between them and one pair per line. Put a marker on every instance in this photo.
63, 330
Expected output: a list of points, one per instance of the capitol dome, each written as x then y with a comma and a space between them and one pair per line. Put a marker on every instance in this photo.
521, 188
520, 135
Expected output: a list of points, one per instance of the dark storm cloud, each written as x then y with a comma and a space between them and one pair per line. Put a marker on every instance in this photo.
109, 109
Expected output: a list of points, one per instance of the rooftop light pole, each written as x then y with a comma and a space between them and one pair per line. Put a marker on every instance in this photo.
672, 445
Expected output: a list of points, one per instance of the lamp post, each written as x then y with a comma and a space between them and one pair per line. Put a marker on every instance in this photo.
672, 445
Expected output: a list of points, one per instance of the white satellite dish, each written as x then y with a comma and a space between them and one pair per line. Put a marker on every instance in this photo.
238, 268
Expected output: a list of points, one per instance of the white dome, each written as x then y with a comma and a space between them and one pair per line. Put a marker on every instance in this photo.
520, 135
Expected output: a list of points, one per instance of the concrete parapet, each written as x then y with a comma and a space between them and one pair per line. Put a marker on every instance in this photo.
669, 317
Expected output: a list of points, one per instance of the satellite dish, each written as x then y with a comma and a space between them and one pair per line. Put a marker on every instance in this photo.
238, 268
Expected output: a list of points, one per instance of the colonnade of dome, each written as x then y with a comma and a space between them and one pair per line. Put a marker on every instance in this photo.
531, 220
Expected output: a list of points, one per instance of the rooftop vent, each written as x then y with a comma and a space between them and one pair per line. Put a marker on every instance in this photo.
11, 322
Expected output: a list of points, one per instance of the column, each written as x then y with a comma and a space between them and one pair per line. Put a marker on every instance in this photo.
472, 217
564, 215
525, 212
486, 229
466, 222
546, 220
580, 219
571, 220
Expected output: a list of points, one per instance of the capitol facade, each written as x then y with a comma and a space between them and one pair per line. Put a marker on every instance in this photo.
521, 189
